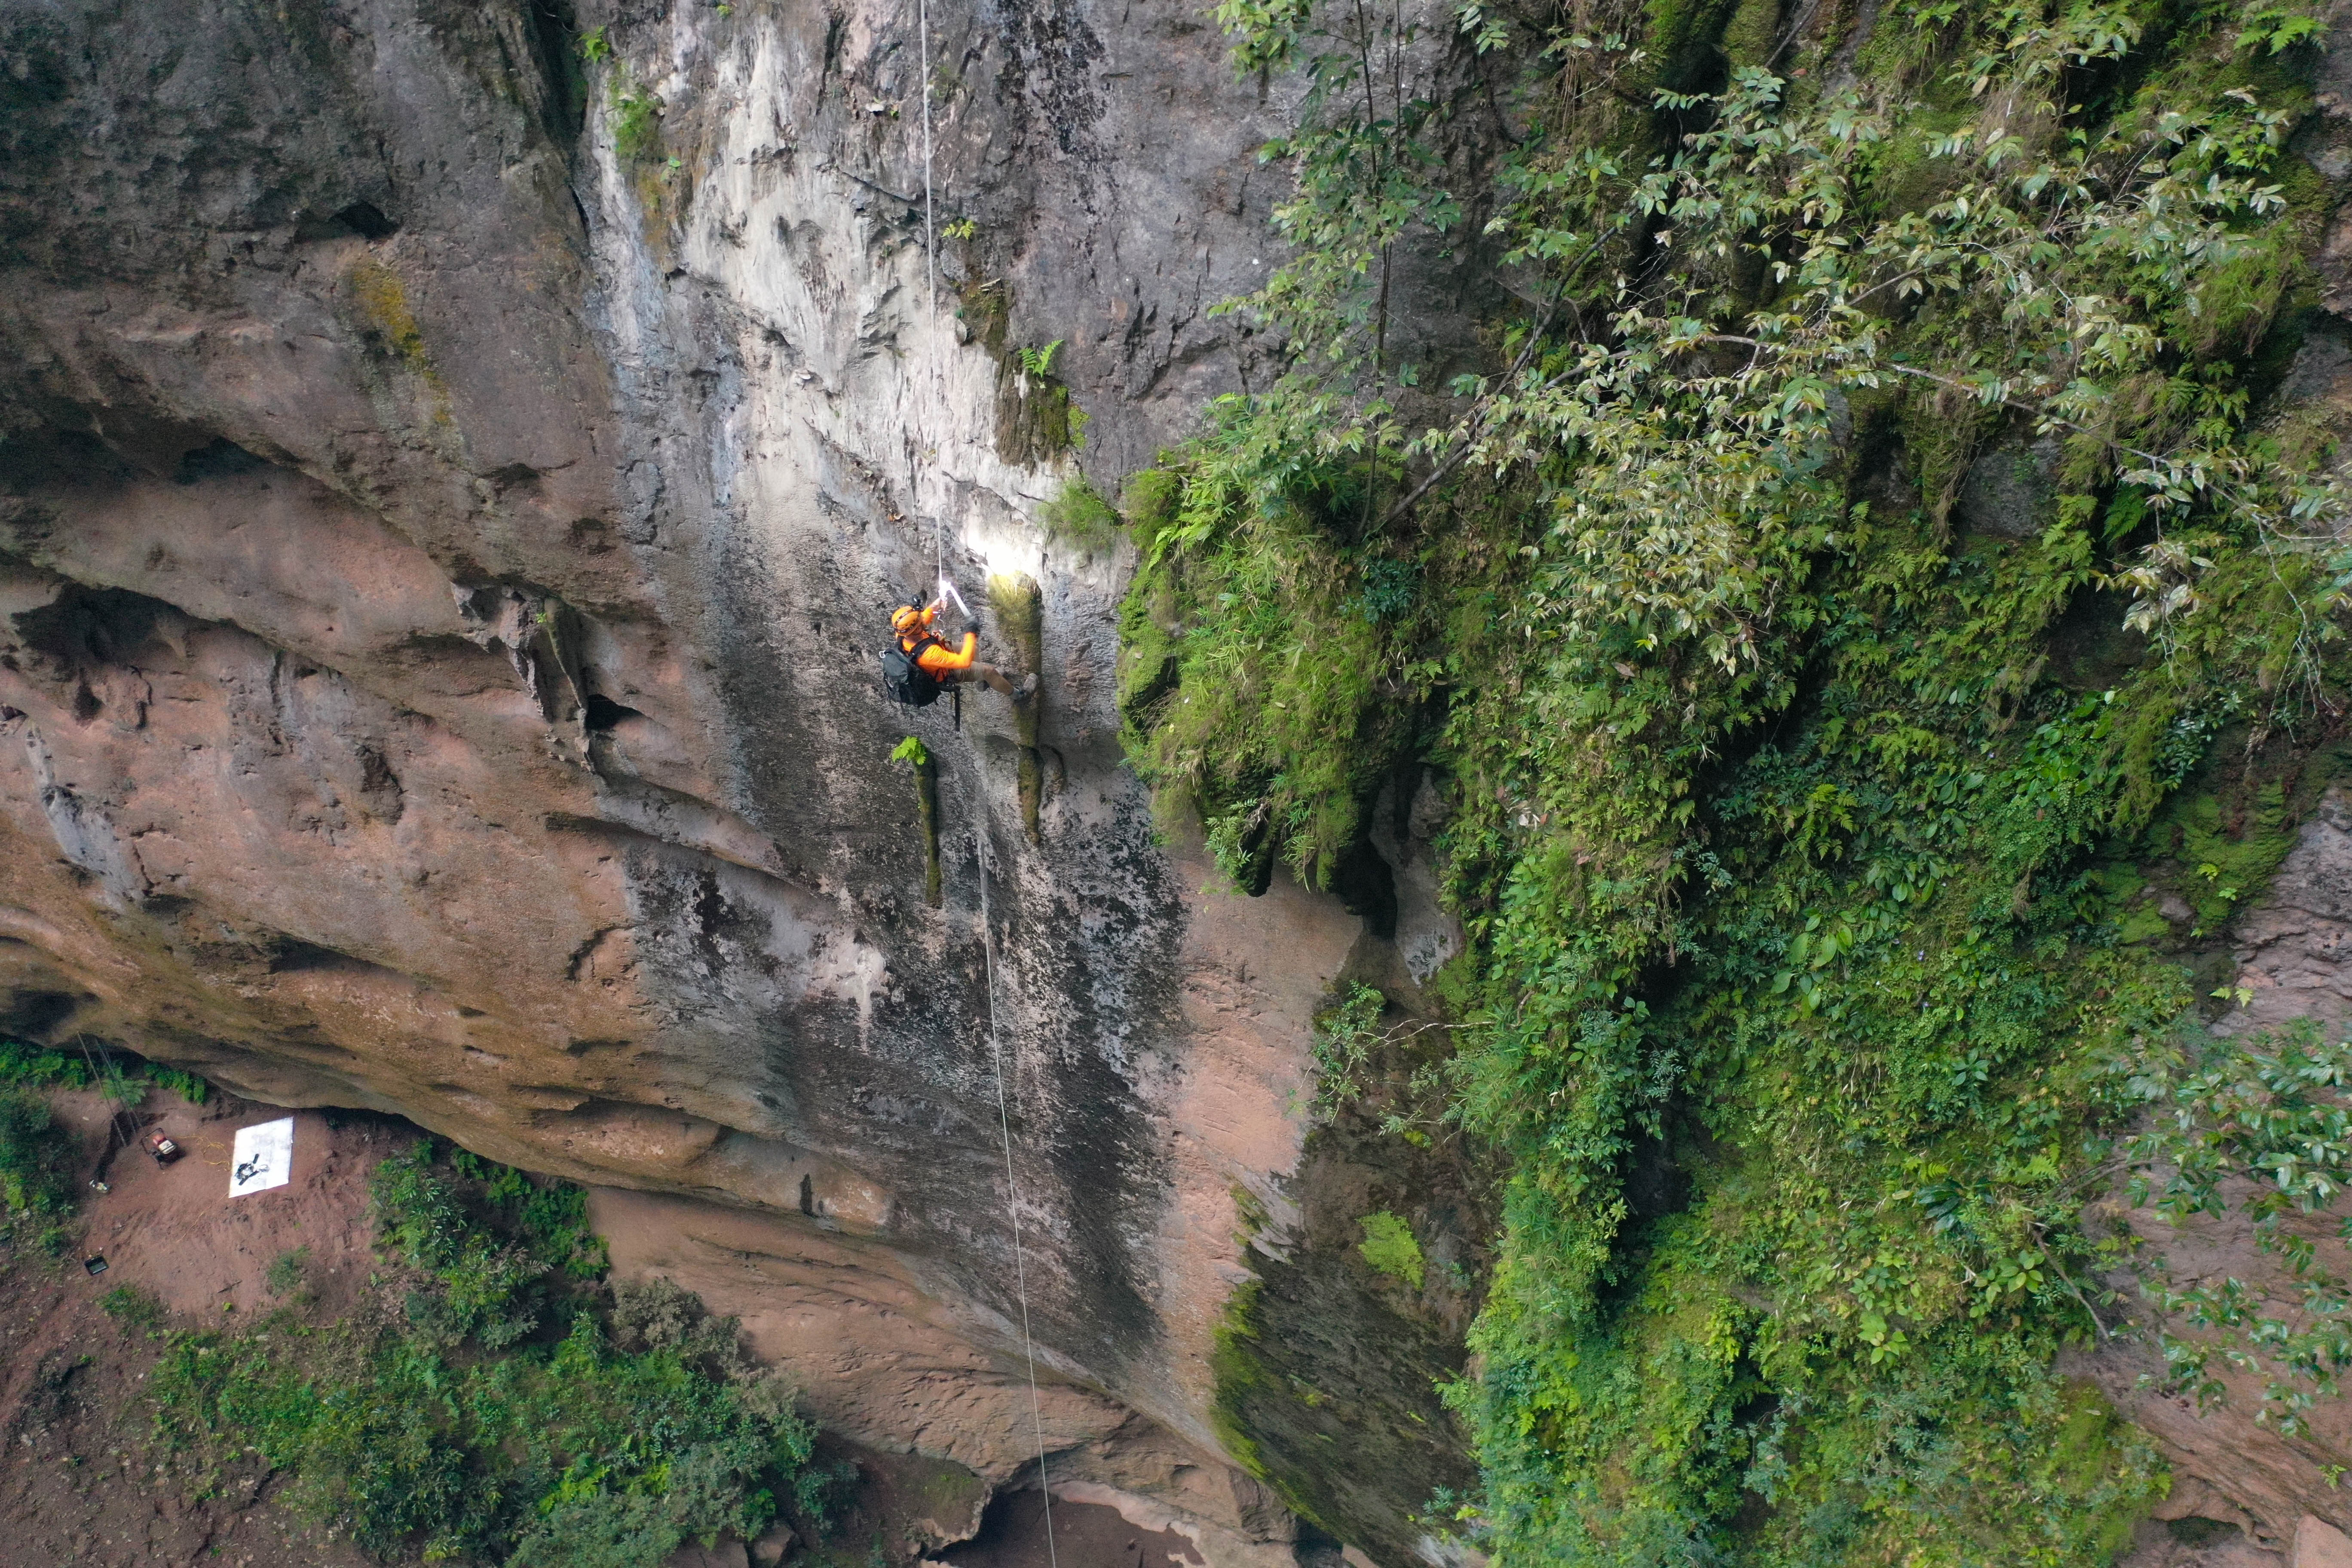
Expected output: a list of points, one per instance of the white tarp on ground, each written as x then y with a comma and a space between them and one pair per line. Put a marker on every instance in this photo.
264, 1158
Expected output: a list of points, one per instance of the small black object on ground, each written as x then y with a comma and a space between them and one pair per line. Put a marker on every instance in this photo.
94, 1264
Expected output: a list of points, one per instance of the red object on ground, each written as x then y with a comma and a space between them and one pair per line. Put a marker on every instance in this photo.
163, 1148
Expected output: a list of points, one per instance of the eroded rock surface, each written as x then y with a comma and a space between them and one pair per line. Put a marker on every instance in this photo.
453, 476
2242, 1492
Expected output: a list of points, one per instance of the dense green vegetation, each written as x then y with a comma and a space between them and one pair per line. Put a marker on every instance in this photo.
124, 1077
1857, 576
511, 1411
37, 1157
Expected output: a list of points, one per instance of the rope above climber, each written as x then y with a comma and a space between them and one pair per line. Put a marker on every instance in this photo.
919, 664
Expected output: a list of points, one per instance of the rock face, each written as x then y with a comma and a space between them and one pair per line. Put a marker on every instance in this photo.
455, 463
2233, 1474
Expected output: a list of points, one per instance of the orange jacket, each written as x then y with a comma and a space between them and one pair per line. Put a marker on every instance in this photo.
934, 655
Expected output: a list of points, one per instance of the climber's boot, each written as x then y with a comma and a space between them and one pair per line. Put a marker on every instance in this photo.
1026, 692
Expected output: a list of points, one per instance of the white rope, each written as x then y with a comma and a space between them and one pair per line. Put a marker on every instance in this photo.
931, 240
1011, 1193
980, 844
931, 244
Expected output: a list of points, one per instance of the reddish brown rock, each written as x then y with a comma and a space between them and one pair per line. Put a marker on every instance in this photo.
442, 555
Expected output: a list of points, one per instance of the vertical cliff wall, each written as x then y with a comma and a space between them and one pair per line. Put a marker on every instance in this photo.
453, 463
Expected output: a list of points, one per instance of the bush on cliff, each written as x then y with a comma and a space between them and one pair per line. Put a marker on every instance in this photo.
1804, 757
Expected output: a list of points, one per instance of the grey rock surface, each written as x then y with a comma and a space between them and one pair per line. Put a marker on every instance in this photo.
451, 482
2011, 491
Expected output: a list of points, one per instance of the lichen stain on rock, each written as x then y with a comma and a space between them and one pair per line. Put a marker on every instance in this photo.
1330, 1372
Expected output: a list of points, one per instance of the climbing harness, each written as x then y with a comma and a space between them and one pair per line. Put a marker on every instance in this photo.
1011, 1193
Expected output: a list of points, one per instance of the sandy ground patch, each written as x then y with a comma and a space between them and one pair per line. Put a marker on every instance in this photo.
78, 1479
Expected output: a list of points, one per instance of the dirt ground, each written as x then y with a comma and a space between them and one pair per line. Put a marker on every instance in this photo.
78, 1482
1084, 1535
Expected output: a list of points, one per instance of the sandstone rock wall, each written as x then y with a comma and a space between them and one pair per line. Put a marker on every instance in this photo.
454, 461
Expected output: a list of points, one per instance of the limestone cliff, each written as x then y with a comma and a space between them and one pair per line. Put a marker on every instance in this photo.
455, 461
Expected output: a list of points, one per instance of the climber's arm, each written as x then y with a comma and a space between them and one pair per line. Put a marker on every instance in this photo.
939, 660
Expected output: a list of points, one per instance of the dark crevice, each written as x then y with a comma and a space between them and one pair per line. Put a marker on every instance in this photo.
603, 713
218, 458
367, 220
555, 38
292, 955
360, 219
37, 1015
1366, 886
83, 627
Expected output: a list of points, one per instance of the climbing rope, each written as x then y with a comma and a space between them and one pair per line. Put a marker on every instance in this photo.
930, 239
121, 1128
1012, 1193
979, 840
930, 244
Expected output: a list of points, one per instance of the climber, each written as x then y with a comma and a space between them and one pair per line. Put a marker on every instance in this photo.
918, 665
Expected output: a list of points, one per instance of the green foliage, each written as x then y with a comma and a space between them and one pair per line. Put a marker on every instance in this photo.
594, 46
136, 1309
1036, 418
494, 1244
37, 1156
1018, 607
40, 1068
2226, 868
1788, 816
287, 1272
960, 229
2269, 1113
1236, 1370
1390, 1247
637, 123
1255, 692
1149, 500
2274, 28
1077, 515
43, 1066
1748, 38
912, 751
453, 1435
1346, 1034
186, 1085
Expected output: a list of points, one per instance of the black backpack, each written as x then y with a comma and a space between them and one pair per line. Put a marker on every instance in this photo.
904, 680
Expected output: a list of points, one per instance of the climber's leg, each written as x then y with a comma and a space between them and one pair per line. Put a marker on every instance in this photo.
991, 677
